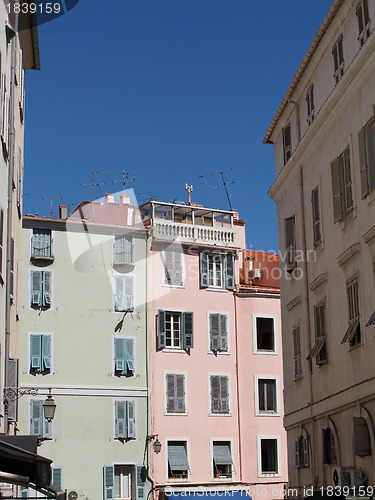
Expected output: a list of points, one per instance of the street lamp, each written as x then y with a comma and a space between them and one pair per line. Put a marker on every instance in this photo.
49, 407
14, 393
157, 443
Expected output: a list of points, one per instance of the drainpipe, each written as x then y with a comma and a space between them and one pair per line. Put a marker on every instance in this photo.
11, 146
297, 119
307, 315
237, 383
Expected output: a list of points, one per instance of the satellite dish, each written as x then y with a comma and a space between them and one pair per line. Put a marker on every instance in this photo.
72, 495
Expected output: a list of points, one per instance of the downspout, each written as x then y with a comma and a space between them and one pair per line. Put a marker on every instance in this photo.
9, 223
237, 383
307, 315
298, 120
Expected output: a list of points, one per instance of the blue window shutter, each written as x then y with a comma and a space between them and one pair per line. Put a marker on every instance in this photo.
120, 293
36, 415
180, 392
130, 419
36, 352
229, 271
109, 482
187, 322
224, 396
120, 419
223, 340
161, 328
47, 426
140, 482
36, 288
129, 355
46, 299
120, 356
46, 353
56, 480
204, 269
129, 292
215, 332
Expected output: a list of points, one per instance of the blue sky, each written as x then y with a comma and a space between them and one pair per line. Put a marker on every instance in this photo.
172, 89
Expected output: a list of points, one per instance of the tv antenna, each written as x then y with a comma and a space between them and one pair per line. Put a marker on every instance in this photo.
224, 183
93, 183
189, 189
126, 178
51, 198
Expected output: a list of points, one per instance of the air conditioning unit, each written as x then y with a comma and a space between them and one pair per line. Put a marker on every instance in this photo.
255, 274
340, 477
357, 477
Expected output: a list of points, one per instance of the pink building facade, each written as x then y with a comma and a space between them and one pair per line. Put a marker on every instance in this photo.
215, 357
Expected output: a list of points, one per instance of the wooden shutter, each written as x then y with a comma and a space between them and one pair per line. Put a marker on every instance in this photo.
120, 356
109, 482
215, 394
204, 269
12, 382
36, 352
46, 301
120, 293
180, 393
141, 474
46, 352
168, 267
1, 238
296, 453
130, 419
47, 426
120, 419
336, 191
348, 185
36, 288
128, 248
361, 437
215, 332
129, 292
316, 215
362, 162
57, 477
223, 335
224, 395
290, 242
11, 287
171, 396
187, 332
36, 414
306, 451
161, 328
229, 271
129, 355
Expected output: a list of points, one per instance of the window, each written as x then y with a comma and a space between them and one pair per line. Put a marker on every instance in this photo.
175, 393
329, 448
124, 482
172, 267
217, 270
39, 426
219, 394
122, 249
12, 257
178, 465
264, 338
175, 330
1, 243
124, 357
316, 216
364, 23
290, 243
287, 143
269, 463
222, 459
366, 143
56, 479
41, 243
124, 293
297, 352
266, 396
353, 333
302, 451
338, 59
218, 325
124, 419
319, 351
5, 116
361, 437
40, 354
41, 290
310, 105
342, 186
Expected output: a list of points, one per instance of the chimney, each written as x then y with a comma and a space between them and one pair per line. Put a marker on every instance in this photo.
124, 199
63, 212
109, 198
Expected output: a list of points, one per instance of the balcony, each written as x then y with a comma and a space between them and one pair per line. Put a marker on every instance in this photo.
42, 250
191, 233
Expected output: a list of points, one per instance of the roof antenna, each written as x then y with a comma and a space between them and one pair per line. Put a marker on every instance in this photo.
93, 183
189, 189
224, 183
126, 178
51, 198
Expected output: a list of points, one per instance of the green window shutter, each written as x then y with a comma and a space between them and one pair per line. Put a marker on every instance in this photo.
215, 332
187, 325
36, 415
120, 364
362, 162
180, 393
204, 269
171, 400
129, 292
56, 480
46, 352
215, 393
36, 288
223, 333
120, 419
46, 300
141, 475
130, 419
224, 396
229, 271
120, 291
129, 355
108, 482
36, 352
161, 329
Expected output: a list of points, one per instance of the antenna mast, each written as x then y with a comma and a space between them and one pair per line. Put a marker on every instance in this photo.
221, 173
126, 178
93, 183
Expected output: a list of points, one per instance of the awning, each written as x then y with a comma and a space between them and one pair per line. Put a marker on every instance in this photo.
177, 457
221, 454
213, 494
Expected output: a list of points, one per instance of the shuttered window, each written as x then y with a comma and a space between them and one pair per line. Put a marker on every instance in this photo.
290, 243
217, 270
41, 245
297, 352
39, 426
222, 459
124, 293
310, 105
123, 249
219, 394
342, 188
56, 479
287, 143
267, 399
218, 332
40, 289
361, 437
353, 333
118, 482
315, 202
40, 354
125, 419
178, 464
173, 267
338, 59
175, 330
5, 115
364, 22
319, 351
302, 451
366, 145
124, 357
13, 382
12, 267
175, 387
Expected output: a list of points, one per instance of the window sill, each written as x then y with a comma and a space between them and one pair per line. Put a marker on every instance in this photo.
349, 217
267, 414
222, 478
175, 350
371, 197
176, 414
229, 414
214, 289
269, 474
267, 353
354, 347
218, 353
318, 248
173, 286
